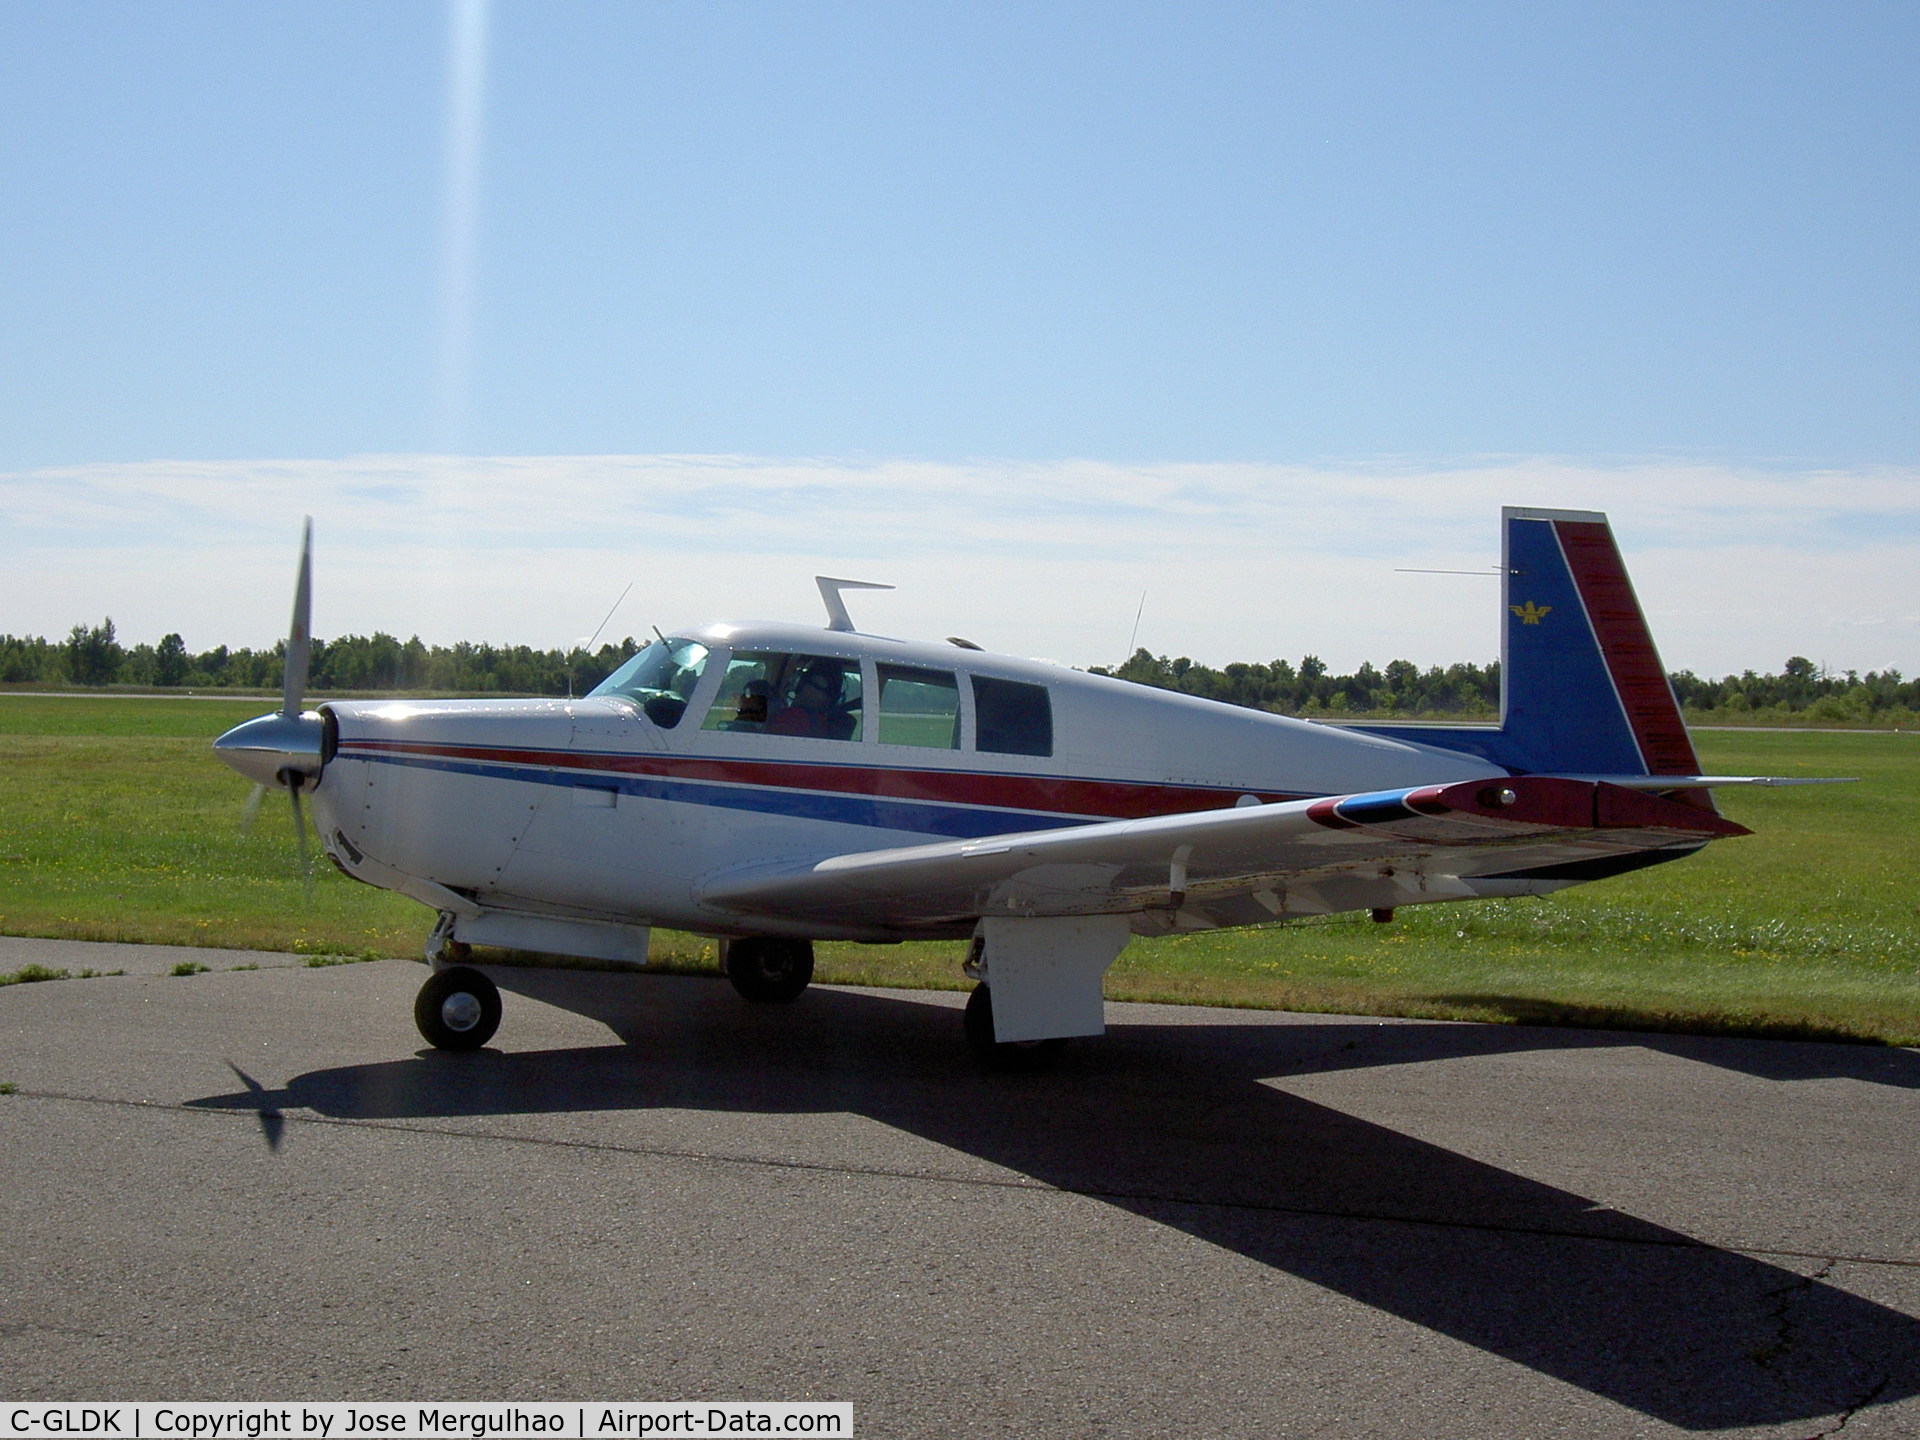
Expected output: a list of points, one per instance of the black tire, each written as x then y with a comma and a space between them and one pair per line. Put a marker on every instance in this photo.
767, 969
977, 1022
457, 1009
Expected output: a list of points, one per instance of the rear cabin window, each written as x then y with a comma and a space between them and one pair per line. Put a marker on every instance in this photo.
1010, 718
767, 693
919, 707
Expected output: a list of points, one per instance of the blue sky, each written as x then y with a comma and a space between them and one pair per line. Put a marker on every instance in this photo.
1356, 252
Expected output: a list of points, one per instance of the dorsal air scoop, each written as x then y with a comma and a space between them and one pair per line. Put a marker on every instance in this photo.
830, 588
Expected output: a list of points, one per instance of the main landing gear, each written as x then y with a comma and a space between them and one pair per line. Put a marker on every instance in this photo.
769, 969
457, 1009
1003, 1054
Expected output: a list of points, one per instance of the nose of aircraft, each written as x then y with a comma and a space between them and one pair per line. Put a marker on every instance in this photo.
266, 750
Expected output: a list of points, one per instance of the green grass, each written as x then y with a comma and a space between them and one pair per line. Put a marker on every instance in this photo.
117, 824
169, 717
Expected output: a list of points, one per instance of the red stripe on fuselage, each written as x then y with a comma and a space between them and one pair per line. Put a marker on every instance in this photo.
1048, 794
1627, 646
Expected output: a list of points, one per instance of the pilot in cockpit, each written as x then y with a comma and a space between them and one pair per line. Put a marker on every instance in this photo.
814, 709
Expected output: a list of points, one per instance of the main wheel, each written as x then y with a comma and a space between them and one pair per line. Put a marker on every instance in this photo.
977, 1021
769, 969
457, 1009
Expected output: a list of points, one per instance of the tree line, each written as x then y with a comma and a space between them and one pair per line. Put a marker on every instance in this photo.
92, 655
1802, 691
1401, 689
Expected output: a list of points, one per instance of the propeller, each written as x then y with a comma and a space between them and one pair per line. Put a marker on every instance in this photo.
300, 834
287, 748
293, 686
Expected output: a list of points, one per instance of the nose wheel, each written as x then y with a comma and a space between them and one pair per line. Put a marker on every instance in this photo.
457, 1009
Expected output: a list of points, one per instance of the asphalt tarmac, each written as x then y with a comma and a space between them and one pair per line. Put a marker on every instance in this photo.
258, 1185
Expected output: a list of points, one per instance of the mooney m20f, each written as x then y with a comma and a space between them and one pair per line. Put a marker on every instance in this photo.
771, 785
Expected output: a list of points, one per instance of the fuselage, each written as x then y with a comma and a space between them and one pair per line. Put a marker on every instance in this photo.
729, 746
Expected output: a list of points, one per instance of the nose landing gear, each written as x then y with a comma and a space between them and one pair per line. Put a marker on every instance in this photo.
457, 1009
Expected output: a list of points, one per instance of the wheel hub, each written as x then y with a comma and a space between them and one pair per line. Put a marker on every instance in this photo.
460, 1011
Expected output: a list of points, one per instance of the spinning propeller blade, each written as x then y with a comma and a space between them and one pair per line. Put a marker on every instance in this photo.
251, 810
300, 834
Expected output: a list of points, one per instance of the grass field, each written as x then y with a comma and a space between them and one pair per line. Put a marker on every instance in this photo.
116, 823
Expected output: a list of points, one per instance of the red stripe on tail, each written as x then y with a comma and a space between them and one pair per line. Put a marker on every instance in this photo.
1627, 646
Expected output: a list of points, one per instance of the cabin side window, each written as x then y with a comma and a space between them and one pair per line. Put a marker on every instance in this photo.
771, 693
919, 707
1011, 718
660, 679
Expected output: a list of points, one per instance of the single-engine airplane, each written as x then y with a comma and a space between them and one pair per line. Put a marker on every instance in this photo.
770, 785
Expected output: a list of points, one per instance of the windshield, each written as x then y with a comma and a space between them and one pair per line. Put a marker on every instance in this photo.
660, 679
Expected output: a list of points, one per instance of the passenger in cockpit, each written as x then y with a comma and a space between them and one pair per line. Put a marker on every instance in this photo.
752, 714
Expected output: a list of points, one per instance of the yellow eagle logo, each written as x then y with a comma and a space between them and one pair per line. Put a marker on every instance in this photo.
1530, 613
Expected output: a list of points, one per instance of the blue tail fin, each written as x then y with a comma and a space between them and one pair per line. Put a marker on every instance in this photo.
1582, 688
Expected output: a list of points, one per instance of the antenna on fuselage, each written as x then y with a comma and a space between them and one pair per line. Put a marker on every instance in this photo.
830, 588
588, 647
603, 624
1134, 638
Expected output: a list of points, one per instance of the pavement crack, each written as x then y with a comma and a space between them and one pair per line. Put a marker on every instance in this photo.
1846, 1416
1787, 1334
1785, 1328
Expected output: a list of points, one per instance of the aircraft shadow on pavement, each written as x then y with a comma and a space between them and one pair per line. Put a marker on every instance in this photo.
1170, 1122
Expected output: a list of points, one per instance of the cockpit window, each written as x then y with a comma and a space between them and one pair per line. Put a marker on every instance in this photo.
767, 693
1011, 718
660, 679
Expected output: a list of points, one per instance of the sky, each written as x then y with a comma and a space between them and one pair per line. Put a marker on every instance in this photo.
1224, 316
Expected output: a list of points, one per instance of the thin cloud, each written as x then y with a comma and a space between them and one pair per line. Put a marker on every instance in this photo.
1737, 567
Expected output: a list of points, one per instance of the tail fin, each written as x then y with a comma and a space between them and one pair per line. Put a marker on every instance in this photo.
1582, 688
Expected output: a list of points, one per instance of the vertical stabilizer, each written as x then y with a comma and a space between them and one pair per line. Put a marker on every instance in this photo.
1582, 687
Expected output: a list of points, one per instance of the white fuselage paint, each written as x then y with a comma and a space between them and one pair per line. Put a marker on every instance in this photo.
588, 808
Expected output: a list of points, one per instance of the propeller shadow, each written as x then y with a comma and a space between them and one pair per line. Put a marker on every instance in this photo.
1172, 1123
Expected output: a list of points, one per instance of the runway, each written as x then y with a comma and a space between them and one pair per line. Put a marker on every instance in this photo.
257, 1184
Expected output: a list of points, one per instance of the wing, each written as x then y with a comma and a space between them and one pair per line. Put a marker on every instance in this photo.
1523, 835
